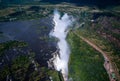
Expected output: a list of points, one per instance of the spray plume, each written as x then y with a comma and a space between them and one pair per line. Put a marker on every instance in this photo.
60, 31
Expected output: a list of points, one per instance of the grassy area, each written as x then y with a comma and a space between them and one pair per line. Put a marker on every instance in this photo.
104, 33
86, 64
110, 48
24, 12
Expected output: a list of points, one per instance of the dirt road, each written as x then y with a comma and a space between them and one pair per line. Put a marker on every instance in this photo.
110, 68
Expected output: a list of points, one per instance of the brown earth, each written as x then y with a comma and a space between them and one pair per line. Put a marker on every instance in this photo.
108, 64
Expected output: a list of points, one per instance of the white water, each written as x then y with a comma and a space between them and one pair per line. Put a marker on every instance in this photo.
60, 31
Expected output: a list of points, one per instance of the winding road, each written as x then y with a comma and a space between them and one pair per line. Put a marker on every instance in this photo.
108, 65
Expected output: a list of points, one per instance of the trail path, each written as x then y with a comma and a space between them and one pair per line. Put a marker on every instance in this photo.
108, 65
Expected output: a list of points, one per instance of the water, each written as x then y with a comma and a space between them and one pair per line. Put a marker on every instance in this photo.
60, 32
34, 32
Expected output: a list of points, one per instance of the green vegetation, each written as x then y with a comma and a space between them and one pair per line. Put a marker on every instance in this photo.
22, 69
19, 67
105, 34
86, 64
4, 72
11, 44
23, 13
107, 46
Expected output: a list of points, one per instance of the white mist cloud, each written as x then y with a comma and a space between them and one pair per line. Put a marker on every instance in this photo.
60, 32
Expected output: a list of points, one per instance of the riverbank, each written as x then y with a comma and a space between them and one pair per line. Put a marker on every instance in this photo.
109, 66
86, 64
